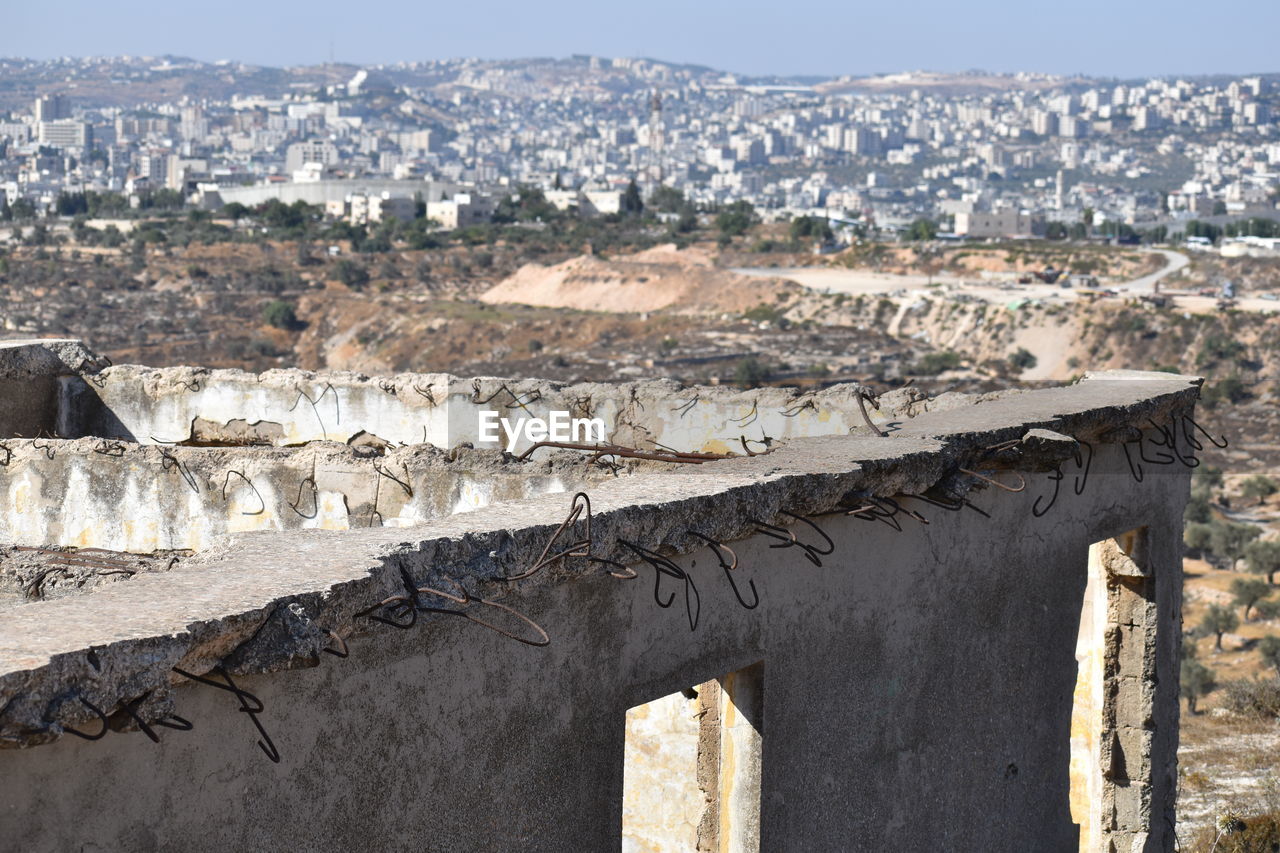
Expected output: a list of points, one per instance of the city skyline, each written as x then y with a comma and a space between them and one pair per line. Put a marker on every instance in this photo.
1095, 39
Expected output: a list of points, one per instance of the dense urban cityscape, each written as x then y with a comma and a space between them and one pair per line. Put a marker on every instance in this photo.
980, 154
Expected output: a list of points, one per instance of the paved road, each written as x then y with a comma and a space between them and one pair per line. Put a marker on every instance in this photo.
856, 282
1174, 261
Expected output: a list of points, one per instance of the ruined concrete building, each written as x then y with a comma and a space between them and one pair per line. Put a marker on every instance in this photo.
319, 611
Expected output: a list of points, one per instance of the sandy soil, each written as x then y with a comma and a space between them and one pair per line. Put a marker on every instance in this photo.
656, 279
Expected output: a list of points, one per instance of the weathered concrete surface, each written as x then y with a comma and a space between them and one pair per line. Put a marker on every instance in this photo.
918, 695
37, 574
289, 407
29, 371
129, 497
918, 690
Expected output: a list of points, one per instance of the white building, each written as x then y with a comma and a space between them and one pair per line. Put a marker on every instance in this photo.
1000, 223
312, 151
462, 210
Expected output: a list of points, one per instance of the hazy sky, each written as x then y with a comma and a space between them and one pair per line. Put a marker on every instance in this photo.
1112, 38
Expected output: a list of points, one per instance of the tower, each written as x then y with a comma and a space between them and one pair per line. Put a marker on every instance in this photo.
655, 139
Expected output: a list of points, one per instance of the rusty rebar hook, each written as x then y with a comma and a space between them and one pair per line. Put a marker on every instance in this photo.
663, 566
718, 548
249, 703
1195, 442
315, 499
750, 417
131, 708
582, 548
426, 394
631, 574
787, 537
404, 484
466, 598
1056, 476
686, 406
874, 510
865, 395
1080, 482
831, 546
341, 651
394, 603
1137, 472
999, 485
168, 461
798, 407
262, 505
1169, 439
95, 709
315, 410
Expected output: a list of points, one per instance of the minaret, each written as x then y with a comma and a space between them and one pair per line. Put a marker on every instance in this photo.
655, 139
1060, 190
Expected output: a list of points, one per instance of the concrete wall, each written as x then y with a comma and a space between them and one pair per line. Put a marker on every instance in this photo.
29, 372
151, 405
918, 680
918, 695
147, 498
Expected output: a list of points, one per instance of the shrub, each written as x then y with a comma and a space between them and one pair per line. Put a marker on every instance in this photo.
1196, 681
751, 372
931, 364
280, 314
1253, 697
352, 274
1022, 359
1269, 649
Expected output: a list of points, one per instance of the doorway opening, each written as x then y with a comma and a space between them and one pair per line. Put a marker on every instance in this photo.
691, 774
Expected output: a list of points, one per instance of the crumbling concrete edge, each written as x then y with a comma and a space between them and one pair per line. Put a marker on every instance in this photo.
60, 660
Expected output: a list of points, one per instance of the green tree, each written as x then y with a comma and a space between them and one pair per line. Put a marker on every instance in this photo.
352, 274
810, 228
667, 199
1022, 359
922, 229
1248, 592
1258, 487
1196, 681
1263, 558
1218, 620
631, 201
933, 363
1229, 540
1198, 510
280, 314
736, 219
1269, 649
22, 208
1207, 476
686, 221
1267, 610
1198, 537
751, 372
